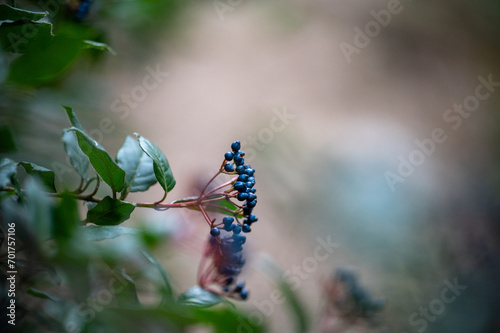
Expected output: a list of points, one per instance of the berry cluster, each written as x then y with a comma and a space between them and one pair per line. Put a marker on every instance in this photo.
226, 243
350, 299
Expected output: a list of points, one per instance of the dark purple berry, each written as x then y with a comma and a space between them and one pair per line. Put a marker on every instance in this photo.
229, 167
228, 156
215, 232
235, 146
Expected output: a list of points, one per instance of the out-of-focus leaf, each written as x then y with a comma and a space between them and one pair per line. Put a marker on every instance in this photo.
101, 232
89, 44
161, 167
110, 212
66, 218
102, 162
46, 175
42, 294
8, 13
167, 288
7, 171
40, 210
34, 68
294, 304
25, 36
7, 143
138, 166
199, 297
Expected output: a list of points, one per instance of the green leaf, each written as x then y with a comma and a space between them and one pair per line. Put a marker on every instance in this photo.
25, 36
73, 119
46, 175
199, 297
97, 233
110, 212
42, 294
66, 218
102, 162
8, 13
167, 288
7, 143
220, 206
40, 209
7, 171
77, 158
160, 164
45, 65
295, 307
139, 172
89, 44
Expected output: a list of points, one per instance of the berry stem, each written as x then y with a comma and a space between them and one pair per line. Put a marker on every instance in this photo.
221, 186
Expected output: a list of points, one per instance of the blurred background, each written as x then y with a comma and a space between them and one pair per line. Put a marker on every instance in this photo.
364, 123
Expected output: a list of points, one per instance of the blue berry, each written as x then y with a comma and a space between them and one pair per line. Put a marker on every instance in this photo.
229, 227
251, 197
239, 286
250, 184
246, 228
251, 179
240, 169
247, 210
252, 218
250, 171
215, 232
227, 220
228, 156
242, 178
239, 238
242, 196
239, 160
240, 186
229, 280
244, 294
252, 190
235, 146
252, 204
237, 229
229, 167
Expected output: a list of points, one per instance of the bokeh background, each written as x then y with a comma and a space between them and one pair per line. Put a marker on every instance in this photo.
322, 128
